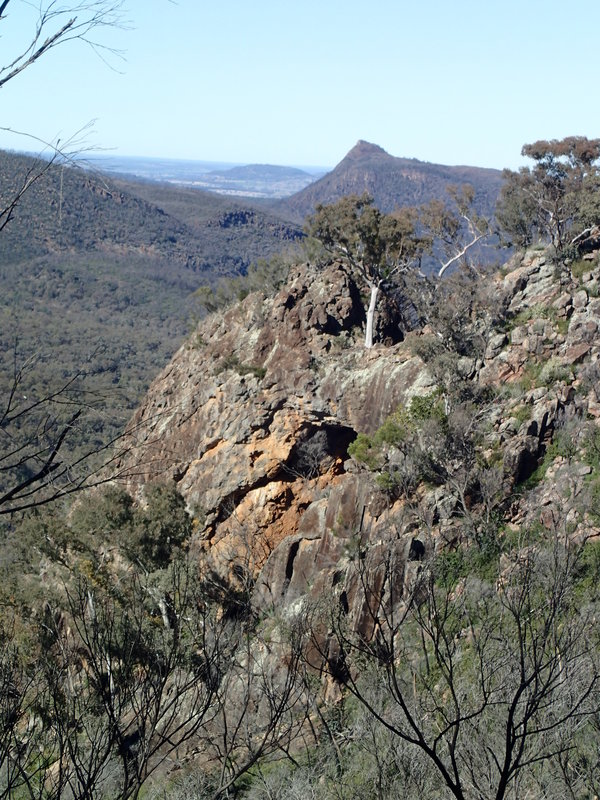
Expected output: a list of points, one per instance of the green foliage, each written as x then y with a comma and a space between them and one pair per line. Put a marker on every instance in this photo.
371, 242
591, 447
103, 515
151, 534
537, 374
452, 566
529, 378
40, 537
397, 429
554, 372
536, 311
522, 413
556, 198
380, 249
588, 566
516, 210
425, 407
515, 539
394, 429
161, 527
252, 369
404, 450
581, 267
363, 449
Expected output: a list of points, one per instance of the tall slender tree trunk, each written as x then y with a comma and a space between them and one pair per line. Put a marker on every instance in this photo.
371, 314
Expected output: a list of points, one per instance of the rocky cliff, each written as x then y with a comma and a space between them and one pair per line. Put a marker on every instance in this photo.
253, 418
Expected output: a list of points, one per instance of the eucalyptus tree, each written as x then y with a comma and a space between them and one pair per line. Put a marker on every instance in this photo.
380, 249
456, 227
385, 251
557, 198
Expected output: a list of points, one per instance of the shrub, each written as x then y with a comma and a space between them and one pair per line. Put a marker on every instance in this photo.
102, 514
364, 449
522, 413
232, 362
580, 267
554, 372
161, 527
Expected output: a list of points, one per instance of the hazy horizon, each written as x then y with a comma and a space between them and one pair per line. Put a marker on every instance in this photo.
102, 156
266, 83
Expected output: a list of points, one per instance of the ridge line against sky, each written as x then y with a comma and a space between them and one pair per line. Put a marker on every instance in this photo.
269, 82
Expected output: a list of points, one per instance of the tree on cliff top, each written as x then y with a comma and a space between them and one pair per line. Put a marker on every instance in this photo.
379, 248
384, 250
558, 197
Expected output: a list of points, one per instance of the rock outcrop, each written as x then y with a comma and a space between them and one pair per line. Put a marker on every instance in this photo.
253, 418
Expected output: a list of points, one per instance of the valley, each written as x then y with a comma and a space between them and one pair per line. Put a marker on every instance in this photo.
245, 180
105, 264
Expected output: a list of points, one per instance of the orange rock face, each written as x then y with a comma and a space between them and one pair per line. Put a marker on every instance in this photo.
254, 423
253, 418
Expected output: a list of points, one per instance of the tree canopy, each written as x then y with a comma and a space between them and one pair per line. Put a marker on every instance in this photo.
379, 248
386, 250
555, 199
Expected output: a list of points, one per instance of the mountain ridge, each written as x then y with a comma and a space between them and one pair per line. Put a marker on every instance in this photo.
95, 264
392, 181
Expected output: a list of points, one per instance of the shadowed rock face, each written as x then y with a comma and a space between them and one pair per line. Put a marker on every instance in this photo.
253, 418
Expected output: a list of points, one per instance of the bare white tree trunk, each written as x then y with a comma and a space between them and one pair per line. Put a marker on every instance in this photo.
371, 314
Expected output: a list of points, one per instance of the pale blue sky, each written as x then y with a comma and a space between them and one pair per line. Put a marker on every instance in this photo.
271, 81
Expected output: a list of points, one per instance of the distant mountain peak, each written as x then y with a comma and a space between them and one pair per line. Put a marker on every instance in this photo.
364, 149
391, 181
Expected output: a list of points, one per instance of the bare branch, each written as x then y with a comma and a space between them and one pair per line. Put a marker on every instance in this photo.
57, 25
461, 253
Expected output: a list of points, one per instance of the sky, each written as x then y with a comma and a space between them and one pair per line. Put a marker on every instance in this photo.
299, 83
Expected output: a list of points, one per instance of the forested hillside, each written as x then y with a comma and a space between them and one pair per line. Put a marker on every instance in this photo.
70, 209
392, 182
325, 569
98, 276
